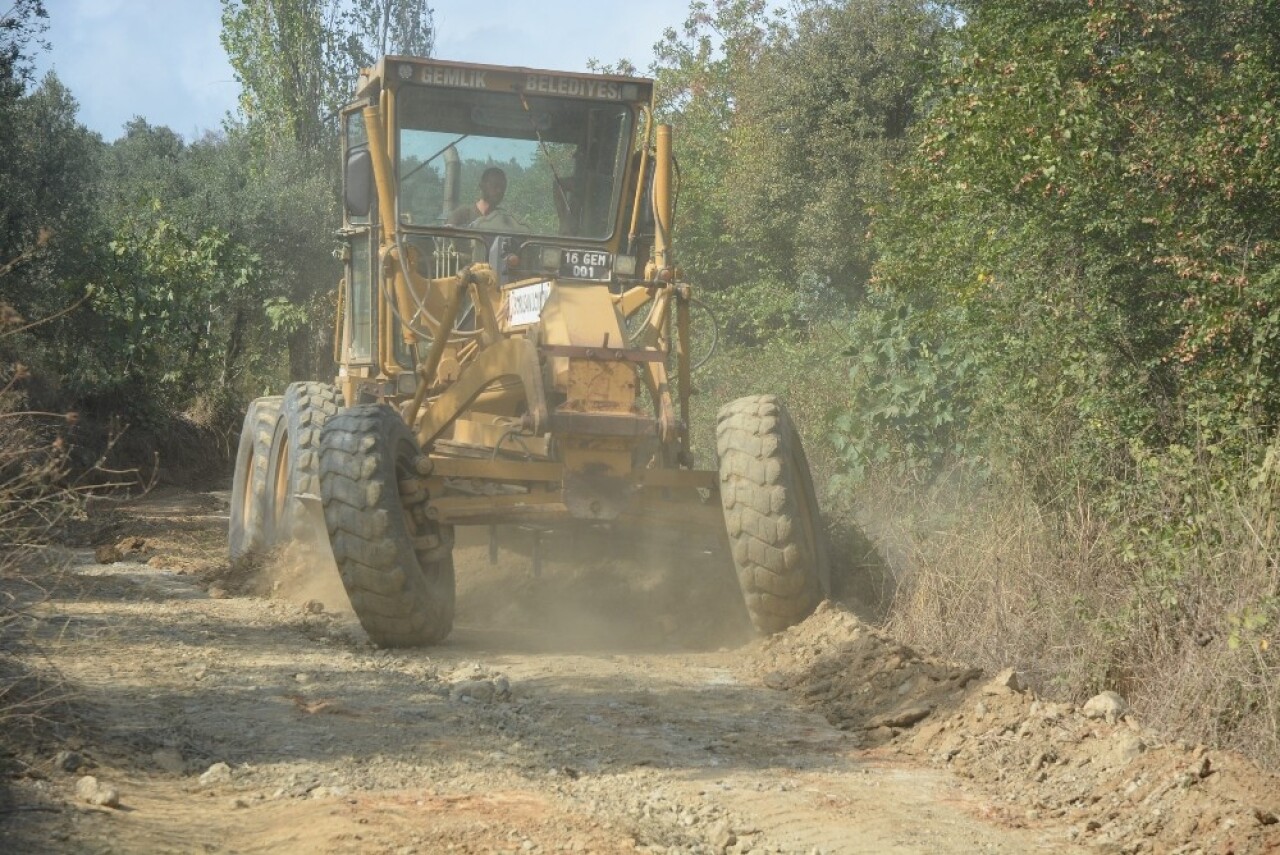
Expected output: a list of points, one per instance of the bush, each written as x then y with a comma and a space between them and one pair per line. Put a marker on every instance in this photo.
1165, 591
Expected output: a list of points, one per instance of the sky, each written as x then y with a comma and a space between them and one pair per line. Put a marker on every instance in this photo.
162, 60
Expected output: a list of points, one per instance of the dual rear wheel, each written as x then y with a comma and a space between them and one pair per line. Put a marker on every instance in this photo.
295, 458
361, 464
249, 532
278, 460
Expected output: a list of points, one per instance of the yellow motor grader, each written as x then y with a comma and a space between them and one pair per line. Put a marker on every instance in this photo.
514, 348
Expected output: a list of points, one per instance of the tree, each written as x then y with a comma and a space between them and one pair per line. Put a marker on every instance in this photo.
701, 70
47, 186
291, 61
824, 117
20, 31
381, 27
297, 60
21, 28
1088, 220
785, 126
193, 256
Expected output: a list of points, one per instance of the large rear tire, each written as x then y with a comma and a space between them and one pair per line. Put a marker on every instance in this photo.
771, 513
396, 563
295, 456
249, 532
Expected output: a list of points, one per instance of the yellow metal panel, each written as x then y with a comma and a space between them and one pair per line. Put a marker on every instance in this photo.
514, 358
597, 456
662, 200
682, 510
582, 315
505, 470
693, 478
630, 301
600, 387
469, 431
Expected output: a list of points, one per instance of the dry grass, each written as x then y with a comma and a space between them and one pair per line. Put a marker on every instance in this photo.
1173, 603
40, 495
37, 499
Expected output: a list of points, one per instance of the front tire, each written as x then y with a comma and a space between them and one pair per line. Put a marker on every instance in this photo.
396, 563
249, 533
295, 456
771, 513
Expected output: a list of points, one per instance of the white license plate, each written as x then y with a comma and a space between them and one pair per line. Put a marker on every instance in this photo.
586, 264
524, 304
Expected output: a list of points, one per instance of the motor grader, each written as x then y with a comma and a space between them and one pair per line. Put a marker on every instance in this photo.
522, 361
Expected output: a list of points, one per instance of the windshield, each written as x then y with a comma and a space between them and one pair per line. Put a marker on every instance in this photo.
497, 162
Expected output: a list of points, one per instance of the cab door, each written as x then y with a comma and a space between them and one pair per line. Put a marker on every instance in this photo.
358, 348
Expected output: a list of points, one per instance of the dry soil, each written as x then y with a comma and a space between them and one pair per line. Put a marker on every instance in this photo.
608, 705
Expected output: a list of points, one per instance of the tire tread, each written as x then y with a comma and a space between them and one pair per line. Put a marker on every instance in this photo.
765, 490
404, 597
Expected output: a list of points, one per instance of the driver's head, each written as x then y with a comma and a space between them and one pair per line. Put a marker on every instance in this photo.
493, 185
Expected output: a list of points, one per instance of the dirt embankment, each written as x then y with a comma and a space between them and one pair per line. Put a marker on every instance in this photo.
606, 707
1093, 771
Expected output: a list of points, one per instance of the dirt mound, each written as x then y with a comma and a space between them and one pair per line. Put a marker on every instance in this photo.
859, 677
1115, 783
1112, 783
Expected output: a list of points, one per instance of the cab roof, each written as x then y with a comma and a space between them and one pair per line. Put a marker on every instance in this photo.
505, 78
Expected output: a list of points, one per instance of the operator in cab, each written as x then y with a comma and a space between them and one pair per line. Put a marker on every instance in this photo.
493, 187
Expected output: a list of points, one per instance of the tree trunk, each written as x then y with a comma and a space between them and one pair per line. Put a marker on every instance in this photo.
235, 346
301, 363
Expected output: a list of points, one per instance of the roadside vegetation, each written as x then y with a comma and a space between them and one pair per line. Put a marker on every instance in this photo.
151, 285
1013, 264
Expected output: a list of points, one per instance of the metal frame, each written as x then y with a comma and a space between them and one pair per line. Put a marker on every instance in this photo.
573, 379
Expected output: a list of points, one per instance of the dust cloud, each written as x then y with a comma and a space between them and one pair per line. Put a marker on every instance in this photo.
594, 593
303, 571
597, 592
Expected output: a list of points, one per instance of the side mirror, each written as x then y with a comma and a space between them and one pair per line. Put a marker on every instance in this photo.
357, 183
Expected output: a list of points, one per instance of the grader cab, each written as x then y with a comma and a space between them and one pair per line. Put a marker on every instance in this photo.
513, 347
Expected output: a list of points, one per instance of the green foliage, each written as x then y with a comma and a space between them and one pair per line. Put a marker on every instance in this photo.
380, 27
46, 189
297, 60
1088, 215
267, 207
1071, 334
180, 246
700, 69
828, 108
203, 262
165, 303
1252, 625
806, 372
784, 127
21, 29
285, 316
909, 399
292, 65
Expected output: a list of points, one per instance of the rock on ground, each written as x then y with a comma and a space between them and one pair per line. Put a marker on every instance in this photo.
91, 791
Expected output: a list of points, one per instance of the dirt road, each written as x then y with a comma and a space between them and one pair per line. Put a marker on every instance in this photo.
570, 713
616, 703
